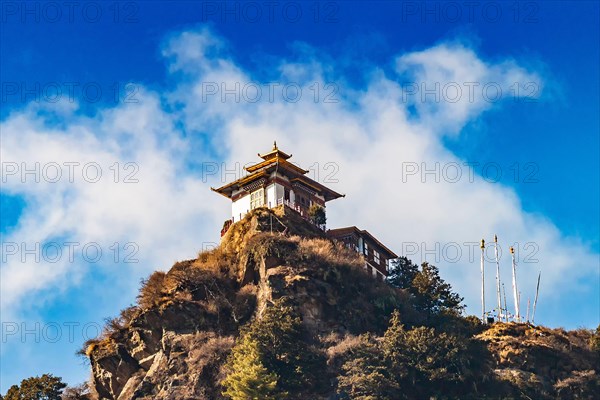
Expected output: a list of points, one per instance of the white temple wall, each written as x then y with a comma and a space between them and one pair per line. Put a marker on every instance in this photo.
271, 195
240, 207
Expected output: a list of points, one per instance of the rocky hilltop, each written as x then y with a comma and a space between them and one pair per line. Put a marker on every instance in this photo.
279, 310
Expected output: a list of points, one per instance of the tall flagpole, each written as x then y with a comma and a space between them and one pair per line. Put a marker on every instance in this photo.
498, 278
482, 281
537, 291
515, 292
505, 303
528, 306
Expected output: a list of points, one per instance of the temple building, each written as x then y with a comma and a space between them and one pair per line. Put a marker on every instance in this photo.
272, 182
377, 256
275, 181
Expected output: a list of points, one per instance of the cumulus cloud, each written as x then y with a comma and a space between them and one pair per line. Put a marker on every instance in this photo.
372, 135
359, 141
449, 84
119, 177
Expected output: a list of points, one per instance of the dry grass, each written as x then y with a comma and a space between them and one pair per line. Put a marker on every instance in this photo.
217, 260
534, 356
337, 352
152, 290
208, 352
579, 385
325, 251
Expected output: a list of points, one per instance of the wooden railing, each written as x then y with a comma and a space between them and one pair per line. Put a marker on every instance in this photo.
296, 207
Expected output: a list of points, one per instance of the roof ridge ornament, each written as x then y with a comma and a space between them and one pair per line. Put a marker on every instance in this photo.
275, 153
275, 160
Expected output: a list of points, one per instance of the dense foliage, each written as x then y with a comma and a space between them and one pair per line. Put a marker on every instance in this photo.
431, 294
417, 363
280, 311
45, 387
272, 358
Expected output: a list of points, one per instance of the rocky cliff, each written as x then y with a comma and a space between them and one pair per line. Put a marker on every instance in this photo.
175, 343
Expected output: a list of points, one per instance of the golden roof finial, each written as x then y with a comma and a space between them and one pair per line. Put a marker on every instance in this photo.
274, 153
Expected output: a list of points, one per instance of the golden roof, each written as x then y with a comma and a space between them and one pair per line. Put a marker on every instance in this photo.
283, 163
276, 160
275, 152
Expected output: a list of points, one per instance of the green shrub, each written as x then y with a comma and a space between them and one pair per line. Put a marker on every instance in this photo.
419, 363
247, 377
274, 346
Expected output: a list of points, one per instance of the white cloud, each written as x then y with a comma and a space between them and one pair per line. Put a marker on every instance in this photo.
371, 132
450, 85
153, 202
368, 134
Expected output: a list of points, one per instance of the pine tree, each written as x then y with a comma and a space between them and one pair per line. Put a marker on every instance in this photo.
272, 355
280, 339
248, 379
417, 363
436, 363
367, 375
432, 294
45, 387
402, 273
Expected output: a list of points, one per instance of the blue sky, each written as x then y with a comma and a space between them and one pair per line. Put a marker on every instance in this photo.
543, 138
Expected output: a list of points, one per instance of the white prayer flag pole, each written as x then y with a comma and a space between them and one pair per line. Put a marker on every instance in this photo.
515, 290
498, 278
482, 281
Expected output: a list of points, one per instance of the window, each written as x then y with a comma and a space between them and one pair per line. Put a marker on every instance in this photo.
257, 198
376, 257
366, 249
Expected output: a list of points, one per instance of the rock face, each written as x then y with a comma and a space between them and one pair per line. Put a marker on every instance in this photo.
165, 353
174, 343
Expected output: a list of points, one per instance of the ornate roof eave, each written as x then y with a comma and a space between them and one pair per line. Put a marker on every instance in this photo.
327, 193
228, 189
281, 162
